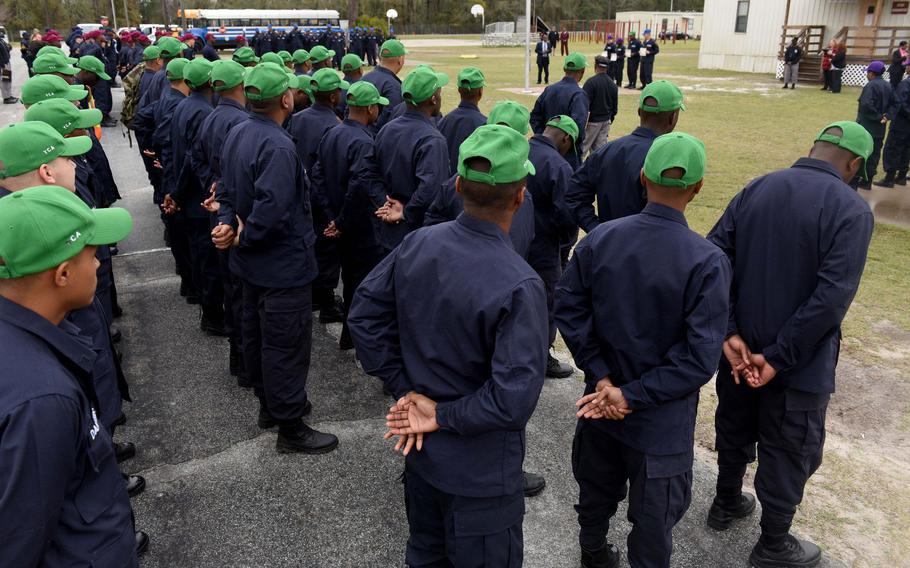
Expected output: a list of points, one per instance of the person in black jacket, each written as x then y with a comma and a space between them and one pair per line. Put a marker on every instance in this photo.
896, 69
792, 55
838, 62
543, 49
603, 95
6, 72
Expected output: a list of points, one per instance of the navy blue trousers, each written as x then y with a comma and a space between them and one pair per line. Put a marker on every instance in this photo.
788, 429
204, 266
632, 71
602, 466
277, 330
451, 531
896, 154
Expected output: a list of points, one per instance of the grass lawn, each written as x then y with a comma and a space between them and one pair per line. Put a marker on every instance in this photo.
750, 126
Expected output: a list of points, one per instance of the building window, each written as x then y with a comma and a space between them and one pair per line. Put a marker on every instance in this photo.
742, 16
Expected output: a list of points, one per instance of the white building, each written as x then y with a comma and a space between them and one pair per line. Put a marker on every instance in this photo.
683, 22
749, 35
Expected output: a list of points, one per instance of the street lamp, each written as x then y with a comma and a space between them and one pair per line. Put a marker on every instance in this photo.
477, 10
390, 15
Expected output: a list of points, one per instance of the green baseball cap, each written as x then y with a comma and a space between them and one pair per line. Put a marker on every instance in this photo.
505, 148
62, 115
197, 72
351, 62
327, 80
53, 63
632, 33
94, 65
566, 124
667, 95
227, 75
42, 87
269, 79
392, 48
364, 93
271, 57
320, 53
151, 53
56, 51
421, 83
470, 78
170, 46
245, 55
43, 227
294, 81
26, 146
854, 138
175, 68
512, 114
300, 56
676, 150
285, 55
574, 62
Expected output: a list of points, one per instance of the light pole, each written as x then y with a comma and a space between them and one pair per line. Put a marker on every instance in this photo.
390, 15
477, 10
527, 46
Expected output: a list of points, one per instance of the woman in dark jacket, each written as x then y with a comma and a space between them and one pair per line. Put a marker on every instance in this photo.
838, 62
898, 60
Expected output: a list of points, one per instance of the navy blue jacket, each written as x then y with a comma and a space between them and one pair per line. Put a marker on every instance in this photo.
811, 232
873, 105
564, 97
62, 498
210, 53
161, 138
612, 176
155, 88
389, 86
186, 124
101, 94
457, 126
342, 108
657, 334
413, 159
449, 204
553, 224
899, 109
268, 190
205, 155
340, 179
308, 127
635, 47
106, 188
653, 49
455, 314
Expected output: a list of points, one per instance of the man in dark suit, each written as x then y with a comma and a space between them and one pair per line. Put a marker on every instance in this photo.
543, 50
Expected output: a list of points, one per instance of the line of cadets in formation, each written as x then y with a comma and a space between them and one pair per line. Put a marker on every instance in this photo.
640, 54
456, 318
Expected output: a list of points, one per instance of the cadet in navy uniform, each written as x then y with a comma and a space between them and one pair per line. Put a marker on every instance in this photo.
645, 356
896, 153
342, 167
162, 147
783, 341
553, 224
142, 123
187, 195
647, 60
634, 48
205, 159
871, 115
169, 48
352, 67
385, 77
308, 127
609, 51
619, 65
371, 45
273, 257
565, 97
464, 120
412, 157
208, 50
449, 204
64, 499
92, 75
454, 323
611, 176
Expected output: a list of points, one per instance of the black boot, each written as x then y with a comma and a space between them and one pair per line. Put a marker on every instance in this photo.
534, 483
901, 178
142, 543
212, 322
888, 181
124, 451
789, 552
135, 484
297, 437
606, 557
724, 512
557, 369
236, 360
332, 312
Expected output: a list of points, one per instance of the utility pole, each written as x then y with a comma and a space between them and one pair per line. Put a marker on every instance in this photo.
126, 13
527, 46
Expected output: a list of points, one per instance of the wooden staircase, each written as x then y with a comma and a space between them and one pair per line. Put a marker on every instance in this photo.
810, 39
810, 69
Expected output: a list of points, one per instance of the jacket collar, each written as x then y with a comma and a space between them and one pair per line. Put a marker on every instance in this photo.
664, 212
485, 228
812, 163
62, 338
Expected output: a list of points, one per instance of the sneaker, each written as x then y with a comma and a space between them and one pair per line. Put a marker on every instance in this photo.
791, 553
722, 515
300, 438
606, 557
556, 369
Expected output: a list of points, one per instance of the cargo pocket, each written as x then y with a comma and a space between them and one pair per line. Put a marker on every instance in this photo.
802, 426
286, 320
101, 480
